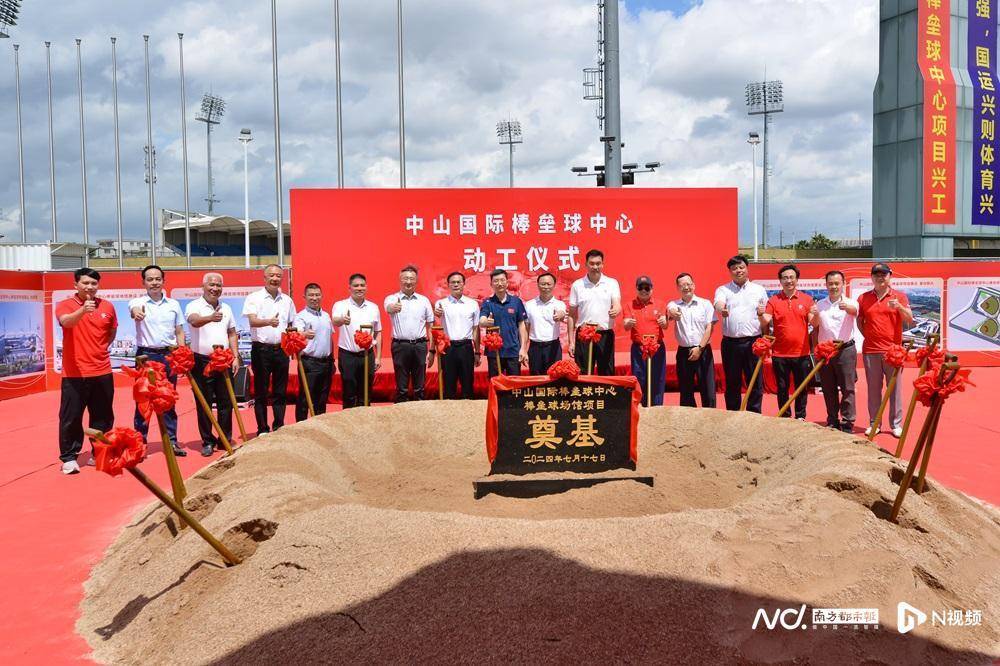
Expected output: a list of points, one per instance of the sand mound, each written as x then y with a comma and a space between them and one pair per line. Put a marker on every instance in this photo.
363, 542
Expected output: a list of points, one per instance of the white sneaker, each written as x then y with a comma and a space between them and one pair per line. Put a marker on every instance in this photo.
868, 431
897, 432
90, 461
70, 467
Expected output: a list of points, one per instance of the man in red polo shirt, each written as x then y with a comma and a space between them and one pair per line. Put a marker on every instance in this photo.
89, 325
641, 318
787, 312
882, 312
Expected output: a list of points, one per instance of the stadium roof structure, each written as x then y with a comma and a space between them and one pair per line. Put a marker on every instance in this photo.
174, 219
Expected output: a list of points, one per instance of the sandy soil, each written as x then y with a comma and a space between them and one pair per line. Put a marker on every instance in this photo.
363, 543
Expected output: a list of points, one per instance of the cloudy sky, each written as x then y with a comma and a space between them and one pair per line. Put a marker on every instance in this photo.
468, 64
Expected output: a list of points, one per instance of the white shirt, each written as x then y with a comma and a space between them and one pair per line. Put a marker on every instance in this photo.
365, 314
834, 323
697, 315
594, 300
542, 326
318, 321
461, 316
742, 303
264, 306
410, 323
159, 328
212, 333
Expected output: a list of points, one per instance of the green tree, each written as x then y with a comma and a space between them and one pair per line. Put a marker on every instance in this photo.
817, 242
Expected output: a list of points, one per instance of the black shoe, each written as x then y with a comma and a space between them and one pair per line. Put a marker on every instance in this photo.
207, 450
847, 427
180, 453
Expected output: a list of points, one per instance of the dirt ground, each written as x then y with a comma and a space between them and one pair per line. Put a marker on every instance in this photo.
362, 542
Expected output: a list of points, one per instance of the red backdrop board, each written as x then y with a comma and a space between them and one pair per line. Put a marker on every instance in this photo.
658, 232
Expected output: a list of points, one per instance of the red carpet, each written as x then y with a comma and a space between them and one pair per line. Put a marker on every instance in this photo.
56, 528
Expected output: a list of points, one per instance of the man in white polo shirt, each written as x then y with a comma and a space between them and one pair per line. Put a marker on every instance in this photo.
834, 318
212, 324
694, 320
411, 316
270, 313
740, 303
460, 318
317, 357
349, 315
545, 316
159, 325
595, 299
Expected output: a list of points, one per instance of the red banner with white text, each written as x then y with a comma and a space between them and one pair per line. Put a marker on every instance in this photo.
939, 147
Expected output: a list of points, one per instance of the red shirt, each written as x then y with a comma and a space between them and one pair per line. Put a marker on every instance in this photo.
645, 315
791, 323
881, 325
85, 346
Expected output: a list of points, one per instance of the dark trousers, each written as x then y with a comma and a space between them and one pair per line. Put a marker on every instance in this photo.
659, 367
352, 376
738, 362
838, 377
214, 389
319, 375
703, 369
459, 366
541, 356
169, 417
269, 364
604, 355
96, 395
409, 362
511, 366
798, 367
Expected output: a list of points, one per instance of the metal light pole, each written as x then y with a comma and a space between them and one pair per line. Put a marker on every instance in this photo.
277, 134
509, 133
399, 61
20, 144
612, 99
83, 156
336, 59
753, 140
212, 108
152, 159
118, 168
765, 98
184, 153
52, 147
245, 138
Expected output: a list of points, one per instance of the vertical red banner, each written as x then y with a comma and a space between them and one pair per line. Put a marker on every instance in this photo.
934, 57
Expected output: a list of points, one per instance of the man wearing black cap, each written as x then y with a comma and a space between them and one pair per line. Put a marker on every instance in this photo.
643, 319
882, 313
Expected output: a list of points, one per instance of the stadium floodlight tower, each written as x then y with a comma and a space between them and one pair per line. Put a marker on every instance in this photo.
8, 15
212, 108
765, 98
509, 133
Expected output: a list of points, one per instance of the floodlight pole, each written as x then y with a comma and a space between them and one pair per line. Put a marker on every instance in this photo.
277, 133
184, 153
52, 148
402, 124
764, 203
753, 140
336, 59
20, 143
612, 98
245, 139
149, 142
83, 156
118, 169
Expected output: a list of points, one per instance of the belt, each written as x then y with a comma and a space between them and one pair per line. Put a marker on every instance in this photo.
265, 344
740, 338
415, 341
316, 358
460, 343
547, 343
159, 350
359, 354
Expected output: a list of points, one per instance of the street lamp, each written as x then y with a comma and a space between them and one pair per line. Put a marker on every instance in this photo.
765, 98
509, 133
245, 138
212, 108
753, 140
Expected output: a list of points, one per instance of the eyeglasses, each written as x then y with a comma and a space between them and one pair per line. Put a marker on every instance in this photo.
644, 288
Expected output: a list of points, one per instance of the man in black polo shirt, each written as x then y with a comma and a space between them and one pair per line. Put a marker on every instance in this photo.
506, 311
